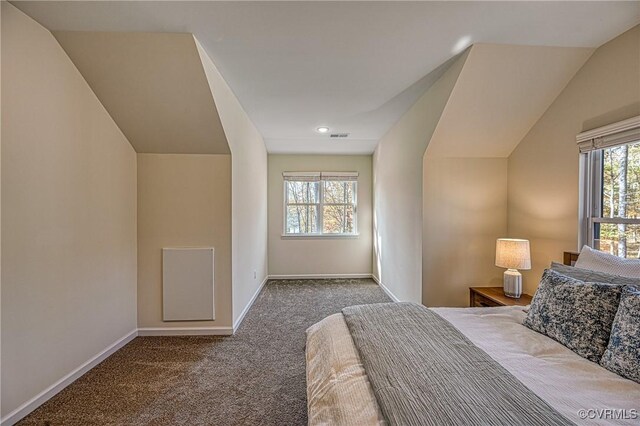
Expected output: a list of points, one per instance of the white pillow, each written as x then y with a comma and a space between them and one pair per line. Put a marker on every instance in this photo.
600, 261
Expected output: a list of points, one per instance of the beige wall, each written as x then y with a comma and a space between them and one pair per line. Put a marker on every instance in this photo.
153, 86
543, 169
68, 216
397, 189
1, 413
184, 200
500, 94
249, 191
465, 210
319, 255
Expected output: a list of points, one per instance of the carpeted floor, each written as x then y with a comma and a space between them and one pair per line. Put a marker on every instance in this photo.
256, 377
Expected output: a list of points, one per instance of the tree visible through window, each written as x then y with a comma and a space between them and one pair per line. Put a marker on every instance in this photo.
320, 205
302, 207
617, 228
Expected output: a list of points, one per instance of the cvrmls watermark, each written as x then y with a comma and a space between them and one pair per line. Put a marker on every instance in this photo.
609, 414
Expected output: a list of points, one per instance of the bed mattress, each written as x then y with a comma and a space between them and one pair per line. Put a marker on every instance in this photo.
339, 392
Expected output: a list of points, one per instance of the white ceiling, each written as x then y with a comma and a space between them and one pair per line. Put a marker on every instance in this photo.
353, 66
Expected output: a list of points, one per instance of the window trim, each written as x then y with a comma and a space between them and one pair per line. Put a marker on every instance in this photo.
322, 177
591, 145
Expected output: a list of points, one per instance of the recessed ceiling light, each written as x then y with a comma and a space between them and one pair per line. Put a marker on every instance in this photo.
322, 129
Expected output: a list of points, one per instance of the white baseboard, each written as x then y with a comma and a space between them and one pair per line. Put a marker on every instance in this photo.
386, 290
185, 331
236, 324
317, 276
328, 276
26, 408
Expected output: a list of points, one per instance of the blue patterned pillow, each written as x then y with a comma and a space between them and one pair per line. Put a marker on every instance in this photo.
623, 353
577, 314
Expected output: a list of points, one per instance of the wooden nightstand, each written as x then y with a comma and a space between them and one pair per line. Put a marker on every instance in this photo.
494, 296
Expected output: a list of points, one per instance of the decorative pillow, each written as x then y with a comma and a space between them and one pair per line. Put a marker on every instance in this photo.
577, 314
600, 261
593, 276
623, 353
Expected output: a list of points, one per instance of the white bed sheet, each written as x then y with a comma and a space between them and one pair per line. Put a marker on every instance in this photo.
571, 384
338, 391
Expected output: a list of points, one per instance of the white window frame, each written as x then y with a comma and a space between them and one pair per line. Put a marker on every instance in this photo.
320, 177
591, 145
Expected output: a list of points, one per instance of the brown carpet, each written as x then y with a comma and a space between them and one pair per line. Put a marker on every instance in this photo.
256, 377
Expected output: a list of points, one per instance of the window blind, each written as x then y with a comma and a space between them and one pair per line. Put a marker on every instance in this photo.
301, 176
318, 176
615, 134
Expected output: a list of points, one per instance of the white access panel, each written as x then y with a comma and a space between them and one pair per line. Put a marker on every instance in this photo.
187, 284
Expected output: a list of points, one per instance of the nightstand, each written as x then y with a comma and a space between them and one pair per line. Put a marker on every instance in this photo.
494, 296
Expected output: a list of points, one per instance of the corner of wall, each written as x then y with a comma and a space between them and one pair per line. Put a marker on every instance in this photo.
543, 169
397, 185
249, 191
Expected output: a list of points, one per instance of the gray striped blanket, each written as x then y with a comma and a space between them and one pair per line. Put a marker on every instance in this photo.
424, 371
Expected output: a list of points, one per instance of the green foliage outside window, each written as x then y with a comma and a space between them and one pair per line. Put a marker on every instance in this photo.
620, 199
320, 207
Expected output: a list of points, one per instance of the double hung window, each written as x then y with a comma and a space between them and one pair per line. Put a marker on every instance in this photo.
320, 203
611, 188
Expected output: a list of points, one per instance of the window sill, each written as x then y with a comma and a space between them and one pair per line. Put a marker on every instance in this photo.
319, 237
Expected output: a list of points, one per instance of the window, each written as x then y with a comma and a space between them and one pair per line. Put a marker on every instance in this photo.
611, 189
320, 203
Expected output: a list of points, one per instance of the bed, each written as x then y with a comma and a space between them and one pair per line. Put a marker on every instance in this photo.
541, 381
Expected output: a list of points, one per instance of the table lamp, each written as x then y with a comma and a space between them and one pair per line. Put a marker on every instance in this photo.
513, 254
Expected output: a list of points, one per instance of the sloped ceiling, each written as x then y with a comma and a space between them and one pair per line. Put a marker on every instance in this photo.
298, 65
154, 87
500, 94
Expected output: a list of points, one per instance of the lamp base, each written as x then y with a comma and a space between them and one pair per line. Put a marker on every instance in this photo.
512, 283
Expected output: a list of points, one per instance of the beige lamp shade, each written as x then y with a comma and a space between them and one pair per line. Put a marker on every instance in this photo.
513, 253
